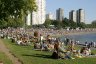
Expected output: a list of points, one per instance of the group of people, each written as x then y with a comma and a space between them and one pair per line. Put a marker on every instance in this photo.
70, 52
91, 44
59, 49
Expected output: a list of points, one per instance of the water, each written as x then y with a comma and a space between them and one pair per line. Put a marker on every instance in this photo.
82, 38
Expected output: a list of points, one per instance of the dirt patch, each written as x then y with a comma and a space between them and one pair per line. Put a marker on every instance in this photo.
5, 50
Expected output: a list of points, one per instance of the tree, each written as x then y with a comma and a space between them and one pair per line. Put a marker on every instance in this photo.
81, 25
3, 24
72, 24
57, 24
93, 24
65, 23
88, 25
15, 9
47, 23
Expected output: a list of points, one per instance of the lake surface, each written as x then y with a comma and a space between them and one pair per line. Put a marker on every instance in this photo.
82, 38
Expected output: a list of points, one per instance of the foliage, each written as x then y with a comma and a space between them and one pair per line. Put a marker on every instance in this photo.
65, 23
93, 24
69, 23
13, 10
47, 23
82, 25
73, 24
57, 24
11, 23
3, 24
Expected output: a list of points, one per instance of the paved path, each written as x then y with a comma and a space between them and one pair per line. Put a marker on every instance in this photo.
5, 50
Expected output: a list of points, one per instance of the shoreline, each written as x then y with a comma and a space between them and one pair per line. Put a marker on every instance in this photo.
80, 33
72, 33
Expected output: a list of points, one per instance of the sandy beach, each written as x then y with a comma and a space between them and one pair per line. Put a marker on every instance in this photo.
73, 33
79, 33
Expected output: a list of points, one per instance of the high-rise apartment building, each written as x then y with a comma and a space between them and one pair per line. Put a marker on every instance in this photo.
37, 17
80, 15
59, 14
28, 19
72, 16
49, 16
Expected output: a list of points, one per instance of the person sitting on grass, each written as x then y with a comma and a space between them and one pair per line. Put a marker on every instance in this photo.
50, 47
71, 46
85, 51
60, 53
19, 41
77, 54
36, 44
44, 46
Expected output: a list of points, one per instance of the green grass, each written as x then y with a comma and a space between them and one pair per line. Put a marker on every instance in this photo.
29, 56
4, 58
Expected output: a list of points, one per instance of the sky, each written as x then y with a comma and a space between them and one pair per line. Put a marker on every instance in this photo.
88, 5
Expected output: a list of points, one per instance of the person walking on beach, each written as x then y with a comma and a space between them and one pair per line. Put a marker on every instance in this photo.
94, 44
86, 43
67, 41
72, 45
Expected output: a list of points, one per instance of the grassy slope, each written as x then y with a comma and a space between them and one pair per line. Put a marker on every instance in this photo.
29, 56
4, 58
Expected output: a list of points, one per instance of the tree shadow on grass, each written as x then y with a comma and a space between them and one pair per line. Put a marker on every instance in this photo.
39, 55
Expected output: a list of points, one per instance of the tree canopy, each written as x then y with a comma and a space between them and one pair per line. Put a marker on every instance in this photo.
64, 24
93, 24
15, 9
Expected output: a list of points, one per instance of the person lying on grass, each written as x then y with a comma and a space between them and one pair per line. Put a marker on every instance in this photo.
60, 52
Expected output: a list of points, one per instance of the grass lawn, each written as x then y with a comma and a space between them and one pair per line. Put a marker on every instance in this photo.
29, 56
4, 58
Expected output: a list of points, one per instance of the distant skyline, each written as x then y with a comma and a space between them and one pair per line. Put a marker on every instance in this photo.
68, 5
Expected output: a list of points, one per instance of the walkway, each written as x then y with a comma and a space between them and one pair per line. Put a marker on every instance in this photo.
5, 50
